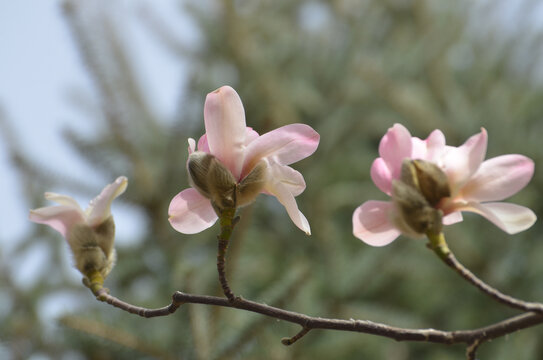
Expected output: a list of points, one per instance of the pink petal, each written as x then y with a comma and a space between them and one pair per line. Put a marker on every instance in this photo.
462, 162
285, 145
285, 197
430, 149
371, 223
203, 145
61, 218
394, 147
190, 212
99, 207
381, 175
498, 178
435, 145
250, 135
224, 119
452, 218
418, 148
511, 218
290, 178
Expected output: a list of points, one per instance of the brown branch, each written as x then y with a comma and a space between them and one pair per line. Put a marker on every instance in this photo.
468, 337
439, 246
103, 295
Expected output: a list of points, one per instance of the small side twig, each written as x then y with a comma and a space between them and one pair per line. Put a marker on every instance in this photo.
292, 340
472, 350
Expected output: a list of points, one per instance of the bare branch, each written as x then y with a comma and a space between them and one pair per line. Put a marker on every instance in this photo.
468, 337
440, 247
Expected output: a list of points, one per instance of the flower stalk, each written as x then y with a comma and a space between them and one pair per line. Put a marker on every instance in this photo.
438, 245
94, 281
227, 221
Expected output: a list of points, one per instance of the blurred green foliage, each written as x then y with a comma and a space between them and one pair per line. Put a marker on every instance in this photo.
350, 69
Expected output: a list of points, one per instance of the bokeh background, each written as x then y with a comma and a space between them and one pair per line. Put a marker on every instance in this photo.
93, 90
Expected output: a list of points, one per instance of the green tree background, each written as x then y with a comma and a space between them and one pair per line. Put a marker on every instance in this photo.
350, 69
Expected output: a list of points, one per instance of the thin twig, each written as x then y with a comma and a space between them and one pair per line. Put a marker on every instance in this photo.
472, 350
439, 246
103, 295
298, 336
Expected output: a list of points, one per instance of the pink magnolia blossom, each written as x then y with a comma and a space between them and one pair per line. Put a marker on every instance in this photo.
239, 149
476, 185
89, 233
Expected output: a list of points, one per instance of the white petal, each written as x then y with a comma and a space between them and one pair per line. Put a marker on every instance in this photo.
511, 218
285, 197
99, 208
63, 200
460, 163
498, 178
293, 180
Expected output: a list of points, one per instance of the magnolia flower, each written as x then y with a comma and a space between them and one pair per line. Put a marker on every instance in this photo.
473, 185
233, 164
90, 234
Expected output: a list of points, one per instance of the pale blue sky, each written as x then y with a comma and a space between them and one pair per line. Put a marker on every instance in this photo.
40, 66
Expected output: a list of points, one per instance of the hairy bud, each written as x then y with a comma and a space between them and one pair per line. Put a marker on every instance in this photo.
428, 178
421, 188
252, 184
214, 181
415, 215
92, 247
